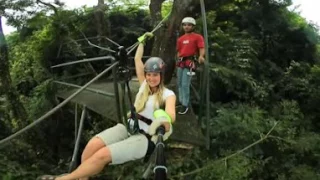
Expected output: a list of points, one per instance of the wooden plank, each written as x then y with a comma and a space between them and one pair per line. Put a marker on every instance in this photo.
96, 102
185, 129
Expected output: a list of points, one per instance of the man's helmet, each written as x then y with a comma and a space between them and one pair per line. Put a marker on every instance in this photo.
154, 64
189, 20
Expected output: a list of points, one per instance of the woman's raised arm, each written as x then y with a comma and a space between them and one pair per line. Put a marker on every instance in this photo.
139, 64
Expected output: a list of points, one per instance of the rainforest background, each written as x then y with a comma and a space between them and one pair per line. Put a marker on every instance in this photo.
264, 70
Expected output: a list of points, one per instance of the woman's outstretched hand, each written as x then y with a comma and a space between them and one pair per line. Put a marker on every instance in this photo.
146, 36
166, 126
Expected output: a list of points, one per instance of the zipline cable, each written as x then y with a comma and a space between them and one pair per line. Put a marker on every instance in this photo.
49, 113
100, 47
83, 60
110, 40
137, 43
159, 25
132, 47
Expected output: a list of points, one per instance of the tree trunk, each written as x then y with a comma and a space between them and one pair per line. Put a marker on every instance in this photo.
18, 111
101, 24
165, 38
155, 11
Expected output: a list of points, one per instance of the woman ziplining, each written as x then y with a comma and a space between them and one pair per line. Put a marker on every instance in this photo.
155, 107
147, 84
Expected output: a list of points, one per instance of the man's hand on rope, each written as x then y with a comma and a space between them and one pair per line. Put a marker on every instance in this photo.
142, 39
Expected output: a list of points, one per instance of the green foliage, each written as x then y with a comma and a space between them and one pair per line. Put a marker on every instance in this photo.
27, 57
40, 96
228, 170
290, 144
11, 166
304, 172
263, 69
166, 8
16, 11
241, 122
128, 24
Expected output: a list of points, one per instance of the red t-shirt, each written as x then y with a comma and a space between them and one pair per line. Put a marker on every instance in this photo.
189, 45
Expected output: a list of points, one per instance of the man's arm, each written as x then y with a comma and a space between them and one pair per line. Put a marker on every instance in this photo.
178, 48
201, 46
202, 52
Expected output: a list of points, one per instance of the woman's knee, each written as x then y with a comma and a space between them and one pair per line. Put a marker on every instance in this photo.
95, 143
92, 146
103, 155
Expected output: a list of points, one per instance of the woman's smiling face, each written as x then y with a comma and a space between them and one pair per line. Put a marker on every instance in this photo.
153, 79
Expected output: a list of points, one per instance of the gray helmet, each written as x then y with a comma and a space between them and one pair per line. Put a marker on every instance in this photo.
154, 64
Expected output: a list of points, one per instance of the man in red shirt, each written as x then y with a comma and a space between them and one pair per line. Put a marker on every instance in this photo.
189, 46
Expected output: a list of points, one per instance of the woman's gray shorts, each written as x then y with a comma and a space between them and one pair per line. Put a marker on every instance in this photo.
123, 146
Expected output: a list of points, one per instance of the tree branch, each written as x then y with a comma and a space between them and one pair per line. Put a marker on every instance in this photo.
49, 5
231, 155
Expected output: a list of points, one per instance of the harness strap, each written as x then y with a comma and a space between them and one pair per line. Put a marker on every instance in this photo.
193, 58
151, 146
142, 118
133, 111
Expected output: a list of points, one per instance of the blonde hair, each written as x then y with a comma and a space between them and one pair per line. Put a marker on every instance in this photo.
142, 98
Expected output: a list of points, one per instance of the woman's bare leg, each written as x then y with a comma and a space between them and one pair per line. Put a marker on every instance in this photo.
93, 165
92, 147
96, 144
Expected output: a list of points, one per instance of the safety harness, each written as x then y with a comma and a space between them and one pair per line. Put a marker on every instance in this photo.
124, 76
192, 58
182, 62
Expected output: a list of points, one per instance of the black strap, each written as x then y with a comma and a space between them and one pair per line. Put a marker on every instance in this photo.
160, 169
151, 146
142, 118
125, 76
132, 112
133, 109
193, 58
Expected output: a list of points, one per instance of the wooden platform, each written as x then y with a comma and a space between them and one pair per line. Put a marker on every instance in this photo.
185, 129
